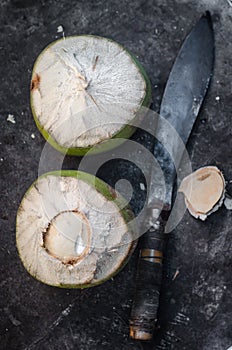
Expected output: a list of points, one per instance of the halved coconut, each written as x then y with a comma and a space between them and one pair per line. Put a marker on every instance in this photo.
86, 90
204, 191
73, 230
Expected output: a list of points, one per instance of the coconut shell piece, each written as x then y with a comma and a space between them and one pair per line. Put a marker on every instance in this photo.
204, 191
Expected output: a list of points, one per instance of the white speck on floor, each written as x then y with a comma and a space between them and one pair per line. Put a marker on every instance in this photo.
142, 186
176, 274
217, 98
33, 136
60, 29
228, 203
11, 119
1, 159
66, 312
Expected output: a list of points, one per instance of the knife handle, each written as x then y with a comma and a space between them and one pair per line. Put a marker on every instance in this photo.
148, 281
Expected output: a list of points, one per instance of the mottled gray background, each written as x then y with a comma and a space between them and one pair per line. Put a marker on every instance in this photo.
196, 309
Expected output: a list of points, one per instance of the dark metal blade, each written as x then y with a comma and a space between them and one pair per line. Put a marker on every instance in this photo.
183, 96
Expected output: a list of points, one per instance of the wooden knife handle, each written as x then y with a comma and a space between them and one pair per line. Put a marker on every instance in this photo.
148, 281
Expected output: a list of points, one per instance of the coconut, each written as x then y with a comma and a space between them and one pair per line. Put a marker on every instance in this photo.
73, 230
204, 191
86, 90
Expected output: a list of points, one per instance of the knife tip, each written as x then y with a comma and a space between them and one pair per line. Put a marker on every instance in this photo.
208, 17
206, 20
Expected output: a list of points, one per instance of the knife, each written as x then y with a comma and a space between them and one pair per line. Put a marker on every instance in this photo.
183, 96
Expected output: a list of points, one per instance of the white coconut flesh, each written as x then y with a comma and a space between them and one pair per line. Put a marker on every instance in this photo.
204, 191
68, 237
85, 89
70, 234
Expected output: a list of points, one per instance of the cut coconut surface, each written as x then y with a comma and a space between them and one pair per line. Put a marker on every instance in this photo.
73, 230
86, 90
204, 191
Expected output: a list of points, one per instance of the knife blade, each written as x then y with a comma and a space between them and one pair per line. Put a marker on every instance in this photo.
183, 96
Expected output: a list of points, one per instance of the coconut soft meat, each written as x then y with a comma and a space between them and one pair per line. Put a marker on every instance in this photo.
204, 191
68, 236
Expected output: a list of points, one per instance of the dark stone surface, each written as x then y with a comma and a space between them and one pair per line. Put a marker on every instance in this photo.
196, 311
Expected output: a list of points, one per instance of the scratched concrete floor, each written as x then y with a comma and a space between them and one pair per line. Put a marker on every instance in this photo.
196, 311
